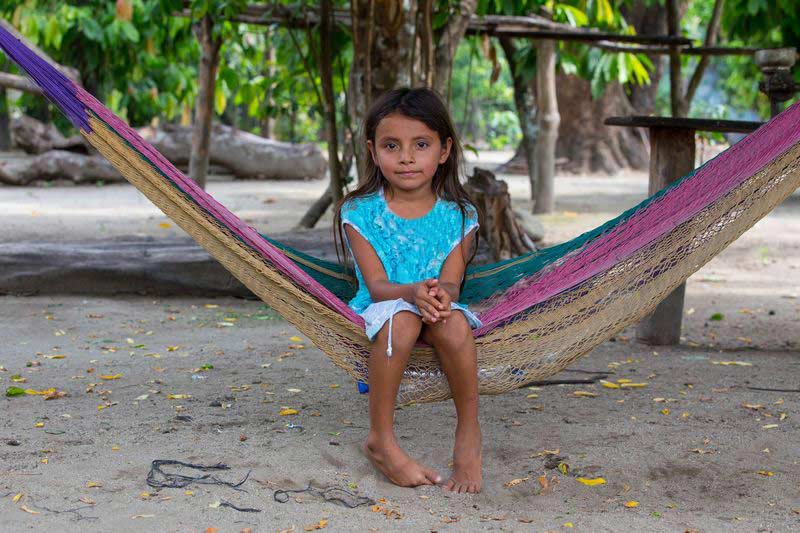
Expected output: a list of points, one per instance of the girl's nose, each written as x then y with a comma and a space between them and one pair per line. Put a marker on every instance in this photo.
407, 155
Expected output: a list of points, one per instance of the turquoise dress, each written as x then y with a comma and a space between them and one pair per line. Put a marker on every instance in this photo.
411, 250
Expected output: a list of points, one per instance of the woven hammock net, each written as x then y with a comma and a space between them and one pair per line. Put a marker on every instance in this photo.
540, 312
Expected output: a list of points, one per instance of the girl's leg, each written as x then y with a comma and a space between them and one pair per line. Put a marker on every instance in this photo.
385, 374
455, 346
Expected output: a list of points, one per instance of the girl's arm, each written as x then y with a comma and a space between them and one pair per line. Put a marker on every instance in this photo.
379, 286
454, 266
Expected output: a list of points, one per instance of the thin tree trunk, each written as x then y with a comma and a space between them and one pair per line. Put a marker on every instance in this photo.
5, 123
675, 78
448, 43
525, 102
209, 61
267, 122
334, 191
548, 120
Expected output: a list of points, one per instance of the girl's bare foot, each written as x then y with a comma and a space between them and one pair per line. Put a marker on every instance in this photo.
396, 465
467, 475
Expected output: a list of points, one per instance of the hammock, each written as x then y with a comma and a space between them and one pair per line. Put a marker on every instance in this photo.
540, 311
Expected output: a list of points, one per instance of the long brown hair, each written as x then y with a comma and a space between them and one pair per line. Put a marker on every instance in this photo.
424, 105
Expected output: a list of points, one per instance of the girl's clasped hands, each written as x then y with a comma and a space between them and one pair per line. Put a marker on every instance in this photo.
433, 301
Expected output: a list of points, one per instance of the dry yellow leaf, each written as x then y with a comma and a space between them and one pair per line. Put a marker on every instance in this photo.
17, 497
753, 406
111, 377
765, 473
45, 392
665, 411
585, 394
210, 306
319, 525
39, 425
732, 363
769, 426
93, 484
592, 482
609, 384
531, 396
624, 380
567, 524
334, 385
633, 385
286, 411
56, 356
515, 482
29, 511
632, 503
178, 396
165, 225
295, 338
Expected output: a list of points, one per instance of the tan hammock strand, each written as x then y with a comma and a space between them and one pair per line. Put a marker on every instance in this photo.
551, 334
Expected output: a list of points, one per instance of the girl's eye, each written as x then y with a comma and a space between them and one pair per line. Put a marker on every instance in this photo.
422, 145
391, 146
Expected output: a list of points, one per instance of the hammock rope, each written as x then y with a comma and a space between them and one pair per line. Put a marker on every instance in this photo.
540, 311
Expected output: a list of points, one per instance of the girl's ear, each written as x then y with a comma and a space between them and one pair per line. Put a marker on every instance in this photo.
370, 147
446, 150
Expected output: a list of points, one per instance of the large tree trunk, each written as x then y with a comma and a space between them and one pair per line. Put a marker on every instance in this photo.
209, 61
587, 144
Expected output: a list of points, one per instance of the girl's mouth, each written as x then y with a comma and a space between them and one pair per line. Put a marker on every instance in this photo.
408, 173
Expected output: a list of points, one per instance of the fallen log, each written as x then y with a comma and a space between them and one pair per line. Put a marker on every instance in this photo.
246, 155
36, 137
58, 164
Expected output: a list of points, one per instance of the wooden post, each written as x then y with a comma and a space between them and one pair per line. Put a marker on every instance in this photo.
204, 105
547, 119
672, 153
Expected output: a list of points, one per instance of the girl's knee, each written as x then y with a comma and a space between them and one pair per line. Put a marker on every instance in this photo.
454, 332
406, 327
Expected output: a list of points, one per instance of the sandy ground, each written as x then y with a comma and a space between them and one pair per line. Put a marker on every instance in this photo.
688, 447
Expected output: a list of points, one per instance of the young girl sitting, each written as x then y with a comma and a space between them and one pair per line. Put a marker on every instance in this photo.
411, 229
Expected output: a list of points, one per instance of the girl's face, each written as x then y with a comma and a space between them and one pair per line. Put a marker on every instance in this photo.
407, 151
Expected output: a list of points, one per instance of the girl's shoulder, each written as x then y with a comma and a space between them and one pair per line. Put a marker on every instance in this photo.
359, 203
452, 209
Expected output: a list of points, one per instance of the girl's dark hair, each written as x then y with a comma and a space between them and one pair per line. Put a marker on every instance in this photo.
422, 104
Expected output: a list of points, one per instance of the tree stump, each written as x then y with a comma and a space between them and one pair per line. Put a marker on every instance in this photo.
501, 228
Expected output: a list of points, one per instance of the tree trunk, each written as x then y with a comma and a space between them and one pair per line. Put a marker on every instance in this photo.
209, 61
547, 120
57, 165
36, 137
500, 229
334, 191
449, 38
5, 123
267, 122
649, 18
584, 141
525, 103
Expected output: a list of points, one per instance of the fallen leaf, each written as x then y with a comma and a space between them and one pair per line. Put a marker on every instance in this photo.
769, 426
14, 391
515, 482
584, 394
319, 525
94, 484
86, 500
55, 356
732, 363
665, 411
765, 473
633, 385
567, 524
111, 377
142, 516
17, 497
531, 396
609, 384
29, 511
591, 482
295, 339
165, 225
632, 503
752, 406
287, 411
142, 397
178, 396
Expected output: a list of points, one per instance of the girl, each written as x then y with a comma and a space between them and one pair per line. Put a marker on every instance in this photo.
410, 228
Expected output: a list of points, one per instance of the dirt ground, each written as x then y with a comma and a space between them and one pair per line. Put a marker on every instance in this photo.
205, 380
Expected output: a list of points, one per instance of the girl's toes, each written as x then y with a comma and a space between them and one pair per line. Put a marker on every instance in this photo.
450, 485
432, 476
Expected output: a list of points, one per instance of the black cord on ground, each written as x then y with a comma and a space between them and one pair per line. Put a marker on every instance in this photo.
339, 495
158, 479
